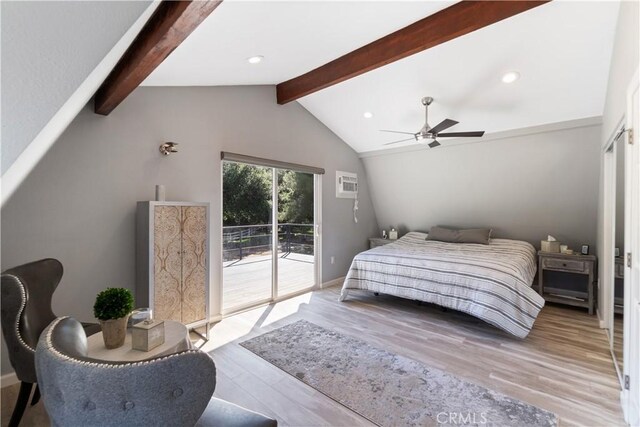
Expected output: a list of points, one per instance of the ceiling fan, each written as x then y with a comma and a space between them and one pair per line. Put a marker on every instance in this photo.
428, 133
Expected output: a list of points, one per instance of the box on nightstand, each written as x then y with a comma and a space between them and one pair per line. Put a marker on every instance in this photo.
549, 246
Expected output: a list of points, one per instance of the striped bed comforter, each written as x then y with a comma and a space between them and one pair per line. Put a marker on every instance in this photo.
491, 282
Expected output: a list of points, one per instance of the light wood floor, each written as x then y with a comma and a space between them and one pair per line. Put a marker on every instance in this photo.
563, 366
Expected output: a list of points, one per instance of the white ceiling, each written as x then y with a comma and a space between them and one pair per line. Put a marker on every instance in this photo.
293, 36
561, 49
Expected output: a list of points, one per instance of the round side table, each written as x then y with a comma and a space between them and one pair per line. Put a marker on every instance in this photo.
176, 338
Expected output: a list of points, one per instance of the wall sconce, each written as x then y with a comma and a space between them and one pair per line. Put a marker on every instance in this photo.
168, 148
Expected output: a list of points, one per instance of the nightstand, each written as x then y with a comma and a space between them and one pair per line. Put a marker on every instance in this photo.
374, 242
575, 264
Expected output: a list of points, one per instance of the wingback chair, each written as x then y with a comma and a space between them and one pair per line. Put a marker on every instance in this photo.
26, 293
170, 390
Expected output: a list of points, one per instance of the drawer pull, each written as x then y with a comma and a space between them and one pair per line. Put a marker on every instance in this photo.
564, 264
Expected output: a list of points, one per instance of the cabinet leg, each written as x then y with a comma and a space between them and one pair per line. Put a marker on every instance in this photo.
205, 337
591, 293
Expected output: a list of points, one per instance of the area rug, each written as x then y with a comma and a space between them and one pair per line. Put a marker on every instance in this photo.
386, 388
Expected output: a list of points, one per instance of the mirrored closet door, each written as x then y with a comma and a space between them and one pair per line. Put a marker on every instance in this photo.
618, 256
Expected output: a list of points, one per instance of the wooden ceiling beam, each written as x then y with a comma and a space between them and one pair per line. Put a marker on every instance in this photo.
455, 21
170, 24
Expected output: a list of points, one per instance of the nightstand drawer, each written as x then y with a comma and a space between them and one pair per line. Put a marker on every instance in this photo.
565, 265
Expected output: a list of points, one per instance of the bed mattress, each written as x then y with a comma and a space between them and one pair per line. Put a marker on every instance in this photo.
491, 282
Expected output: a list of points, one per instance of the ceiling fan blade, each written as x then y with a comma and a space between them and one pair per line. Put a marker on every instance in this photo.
434, 144
402, 140
395, 131
445, 124
461, 134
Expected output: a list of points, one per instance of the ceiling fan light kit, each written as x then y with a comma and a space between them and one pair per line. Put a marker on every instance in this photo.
428, 133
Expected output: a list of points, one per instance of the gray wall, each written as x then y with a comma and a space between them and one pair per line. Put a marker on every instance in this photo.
48, 49
524, 187
624, 62
78, 204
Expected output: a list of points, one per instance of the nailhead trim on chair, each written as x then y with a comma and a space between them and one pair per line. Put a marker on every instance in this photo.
104, 365
23, 304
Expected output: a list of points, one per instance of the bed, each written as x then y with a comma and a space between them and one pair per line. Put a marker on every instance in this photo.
491, 282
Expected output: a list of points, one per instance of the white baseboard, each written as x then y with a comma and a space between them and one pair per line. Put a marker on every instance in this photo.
601, 322
335, 282
9, 379
215, 319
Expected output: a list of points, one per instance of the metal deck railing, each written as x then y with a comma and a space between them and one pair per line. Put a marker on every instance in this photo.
240, 241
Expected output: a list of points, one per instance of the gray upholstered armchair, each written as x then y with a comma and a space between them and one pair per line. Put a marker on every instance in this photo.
26, 311
172, 390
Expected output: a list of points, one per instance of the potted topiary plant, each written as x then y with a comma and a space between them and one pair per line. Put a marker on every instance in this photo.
113, 307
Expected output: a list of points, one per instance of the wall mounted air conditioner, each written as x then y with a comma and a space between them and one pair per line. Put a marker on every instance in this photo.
346, 185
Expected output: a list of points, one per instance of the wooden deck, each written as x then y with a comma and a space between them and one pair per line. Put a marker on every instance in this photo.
249, 280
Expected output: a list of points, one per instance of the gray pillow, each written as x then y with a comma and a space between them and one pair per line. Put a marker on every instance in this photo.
454, 235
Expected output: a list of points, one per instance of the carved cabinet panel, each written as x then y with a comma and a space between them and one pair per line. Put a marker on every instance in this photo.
172, 260
167, 263
194, 263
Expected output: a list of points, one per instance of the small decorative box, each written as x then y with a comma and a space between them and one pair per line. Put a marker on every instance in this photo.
147, 335
550, 246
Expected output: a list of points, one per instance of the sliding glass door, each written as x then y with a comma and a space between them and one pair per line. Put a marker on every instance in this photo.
247, 210
296, 232
268, 234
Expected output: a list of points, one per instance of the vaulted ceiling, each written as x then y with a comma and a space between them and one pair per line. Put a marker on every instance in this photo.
562, 51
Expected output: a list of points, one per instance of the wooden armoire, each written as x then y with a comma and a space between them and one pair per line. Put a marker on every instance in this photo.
172, 260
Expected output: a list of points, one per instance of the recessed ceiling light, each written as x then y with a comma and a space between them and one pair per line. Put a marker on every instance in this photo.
510, 77
367, 115
255, 59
